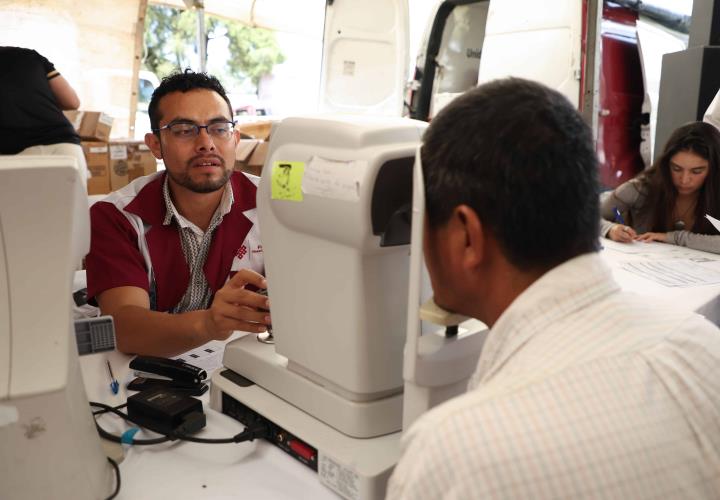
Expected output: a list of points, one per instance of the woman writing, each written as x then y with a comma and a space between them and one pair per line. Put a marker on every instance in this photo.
669, 201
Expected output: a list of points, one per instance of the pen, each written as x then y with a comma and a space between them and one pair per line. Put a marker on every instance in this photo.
114, 385
619, 217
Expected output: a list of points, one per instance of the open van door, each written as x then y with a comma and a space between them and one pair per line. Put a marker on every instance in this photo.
539, 41
449, 57
365, 57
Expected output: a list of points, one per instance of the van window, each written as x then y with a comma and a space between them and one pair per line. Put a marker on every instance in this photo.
145, 90
450, 63
459, 56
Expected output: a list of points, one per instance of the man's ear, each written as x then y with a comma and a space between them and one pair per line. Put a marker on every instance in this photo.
153, 142
471, 237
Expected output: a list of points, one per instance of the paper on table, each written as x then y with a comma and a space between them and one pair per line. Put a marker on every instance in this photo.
633, 247
209, 356
713, 221
674, 272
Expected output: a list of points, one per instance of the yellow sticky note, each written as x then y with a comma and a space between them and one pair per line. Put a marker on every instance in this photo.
286, 180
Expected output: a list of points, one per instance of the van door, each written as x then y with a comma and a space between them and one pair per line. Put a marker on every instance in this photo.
539, 41
365, 56
449, 57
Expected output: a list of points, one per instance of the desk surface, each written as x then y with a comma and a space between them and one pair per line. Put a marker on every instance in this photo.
703, 299
185, 470
260, 470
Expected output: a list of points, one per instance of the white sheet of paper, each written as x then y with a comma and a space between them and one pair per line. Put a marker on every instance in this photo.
209, 356
713, 221
340, 180
673, 272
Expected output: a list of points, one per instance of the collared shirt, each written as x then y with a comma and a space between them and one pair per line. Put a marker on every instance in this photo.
195, 245
130, 245
581, 391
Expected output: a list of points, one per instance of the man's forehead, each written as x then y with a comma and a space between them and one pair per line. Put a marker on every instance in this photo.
197, 104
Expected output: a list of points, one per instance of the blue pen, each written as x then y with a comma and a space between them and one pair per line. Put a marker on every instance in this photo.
114, 385
619, 217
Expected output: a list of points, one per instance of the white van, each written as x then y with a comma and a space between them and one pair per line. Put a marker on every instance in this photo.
592, 51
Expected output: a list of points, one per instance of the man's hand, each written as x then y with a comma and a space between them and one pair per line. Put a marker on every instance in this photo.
652, 237
622, 233
235, 308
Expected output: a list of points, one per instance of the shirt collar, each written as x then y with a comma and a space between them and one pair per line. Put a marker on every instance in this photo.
571, 286
223, 209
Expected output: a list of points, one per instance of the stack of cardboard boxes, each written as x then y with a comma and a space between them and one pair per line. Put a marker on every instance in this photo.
250, 156
252, 148
111, 163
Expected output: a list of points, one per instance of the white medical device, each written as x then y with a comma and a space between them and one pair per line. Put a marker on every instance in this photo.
50, 447
334, 205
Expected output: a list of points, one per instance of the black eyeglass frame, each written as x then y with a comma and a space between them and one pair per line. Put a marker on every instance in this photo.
196, 126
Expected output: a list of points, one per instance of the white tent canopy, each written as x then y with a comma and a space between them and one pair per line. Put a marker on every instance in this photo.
291, 16
97, 44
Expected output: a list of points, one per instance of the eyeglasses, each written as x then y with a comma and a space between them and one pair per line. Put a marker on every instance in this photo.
186, 130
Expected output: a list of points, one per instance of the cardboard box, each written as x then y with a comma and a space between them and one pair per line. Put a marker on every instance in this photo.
243, 151
257, 159
95, 126
129, 159
258, 130
250, 156
96, 156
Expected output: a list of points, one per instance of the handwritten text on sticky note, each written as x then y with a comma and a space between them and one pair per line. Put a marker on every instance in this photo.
286, 180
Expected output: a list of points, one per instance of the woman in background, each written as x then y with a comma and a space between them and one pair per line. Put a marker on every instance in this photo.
33, 95
669, 201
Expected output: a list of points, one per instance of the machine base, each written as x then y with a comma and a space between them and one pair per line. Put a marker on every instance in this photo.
361, 419
356, 469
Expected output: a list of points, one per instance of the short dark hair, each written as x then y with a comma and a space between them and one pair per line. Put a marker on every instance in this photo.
702, 139
184, 81
521, 156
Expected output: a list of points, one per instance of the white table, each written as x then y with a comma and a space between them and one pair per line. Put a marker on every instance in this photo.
703, 299
183, 470
259, 470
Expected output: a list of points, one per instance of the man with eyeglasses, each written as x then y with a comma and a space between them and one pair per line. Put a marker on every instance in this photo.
175, 257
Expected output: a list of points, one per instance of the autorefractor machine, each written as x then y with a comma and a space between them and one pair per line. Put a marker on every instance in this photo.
338, 208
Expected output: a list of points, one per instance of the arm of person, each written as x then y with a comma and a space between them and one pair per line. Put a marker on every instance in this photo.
64, 94
696, 241
622, 199
138, 330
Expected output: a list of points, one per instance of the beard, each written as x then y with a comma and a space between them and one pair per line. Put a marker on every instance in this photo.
207, 185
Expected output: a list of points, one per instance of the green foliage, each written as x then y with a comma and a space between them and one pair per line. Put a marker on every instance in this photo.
171, 40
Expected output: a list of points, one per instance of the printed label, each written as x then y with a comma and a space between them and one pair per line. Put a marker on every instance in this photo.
120, 168
105, 119
118, 152
336, 476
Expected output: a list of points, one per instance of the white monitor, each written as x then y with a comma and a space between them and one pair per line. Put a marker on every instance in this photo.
50, 448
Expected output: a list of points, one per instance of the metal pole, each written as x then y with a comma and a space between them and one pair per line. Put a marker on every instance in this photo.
201, 37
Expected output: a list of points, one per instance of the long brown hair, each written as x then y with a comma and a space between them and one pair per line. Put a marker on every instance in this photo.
703, 140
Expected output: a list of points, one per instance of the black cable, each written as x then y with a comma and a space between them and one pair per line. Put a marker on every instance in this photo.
110, 409
118, 439
117, 478
100, 412
249, 434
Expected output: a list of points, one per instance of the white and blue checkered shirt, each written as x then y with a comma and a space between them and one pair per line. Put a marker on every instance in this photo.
581, 391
